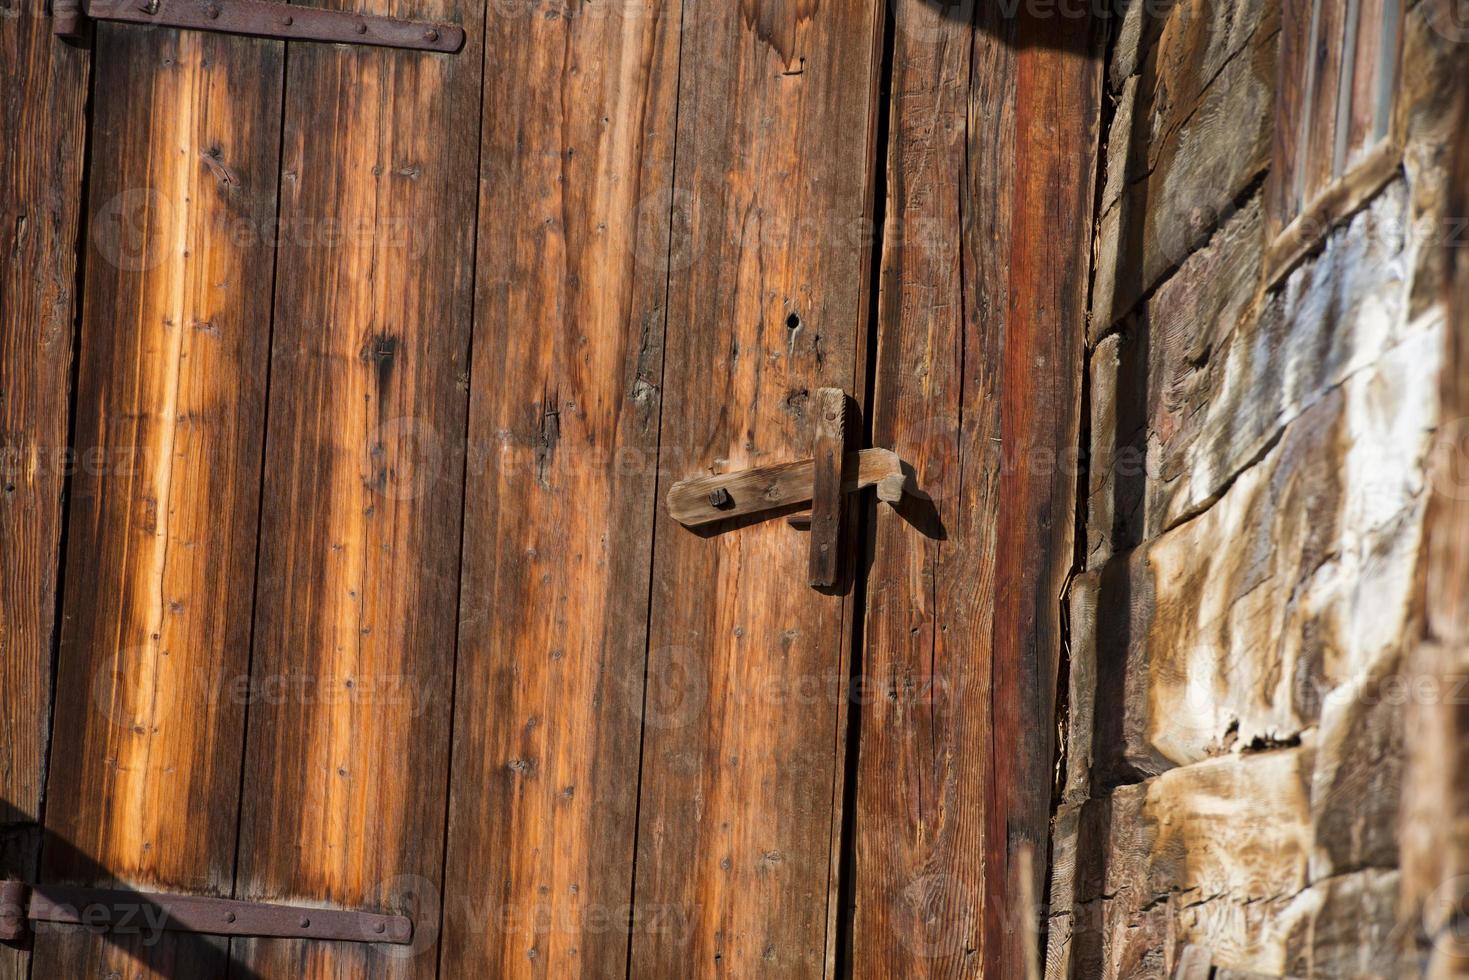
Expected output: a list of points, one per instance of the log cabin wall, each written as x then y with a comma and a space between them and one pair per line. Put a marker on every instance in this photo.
1262, 367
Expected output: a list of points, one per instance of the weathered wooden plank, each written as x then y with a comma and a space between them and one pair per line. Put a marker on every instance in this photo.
574, 250
771, 489
1225, 377
43, 90
1323, 95
170, 421
1237, 828
346, 763
1057, 98
1287, 148
740, 777
925, 740
1197, 133
41, 115
1435, 833
1241, 645
1368, 59
828, 503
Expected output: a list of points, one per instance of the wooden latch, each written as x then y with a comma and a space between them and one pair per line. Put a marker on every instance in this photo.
261, 18
133, 912
824, 480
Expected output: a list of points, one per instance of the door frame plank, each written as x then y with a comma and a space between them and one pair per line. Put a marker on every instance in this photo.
743, 767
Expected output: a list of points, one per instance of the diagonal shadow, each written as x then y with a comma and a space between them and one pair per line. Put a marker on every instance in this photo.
140, 934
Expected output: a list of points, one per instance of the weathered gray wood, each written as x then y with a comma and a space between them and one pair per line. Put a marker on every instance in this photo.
1197, 133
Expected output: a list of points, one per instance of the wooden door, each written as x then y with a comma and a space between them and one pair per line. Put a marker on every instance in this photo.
384, 361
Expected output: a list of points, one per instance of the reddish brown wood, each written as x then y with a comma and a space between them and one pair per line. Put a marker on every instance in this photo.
1323, 96
1282, 188
1367, 63
744, 706
346, 764
1057, 102
41, 116
573, 266
43, 87
925, 751
300, 22
767, 490
170, 414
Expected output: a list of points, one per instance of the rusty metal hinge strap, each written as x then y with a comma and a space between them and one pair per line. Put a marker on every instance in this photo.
263, 18
120, 910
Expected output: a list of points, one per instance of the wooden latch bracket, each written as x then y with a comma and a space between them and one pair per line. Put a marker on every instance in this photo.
823, 481
134, 912
262, 18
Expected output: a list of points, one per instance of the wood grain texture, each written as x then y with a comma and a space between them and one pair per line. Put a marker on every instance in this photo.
1435, 832
169, 429
772, 489
347, 750
1323, 96
1368, 60
1192, 132
41, 115
1282, 190
573, 257
43, 91
828, 503
981, 337
1057, 99
925, 739
745, 701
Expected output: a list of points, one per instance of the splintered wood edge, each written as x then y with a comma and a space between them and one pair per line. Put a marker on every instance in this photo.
782, 485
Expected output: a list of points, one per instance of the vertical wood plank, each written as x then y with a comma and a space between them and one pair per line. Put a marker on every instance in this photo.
1282, 187
1362, 98
43, 92
747, 666
347, 748
925, 743
573, 257
1057, 105
170, 413
829, 451
1324, 94
1434, 832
